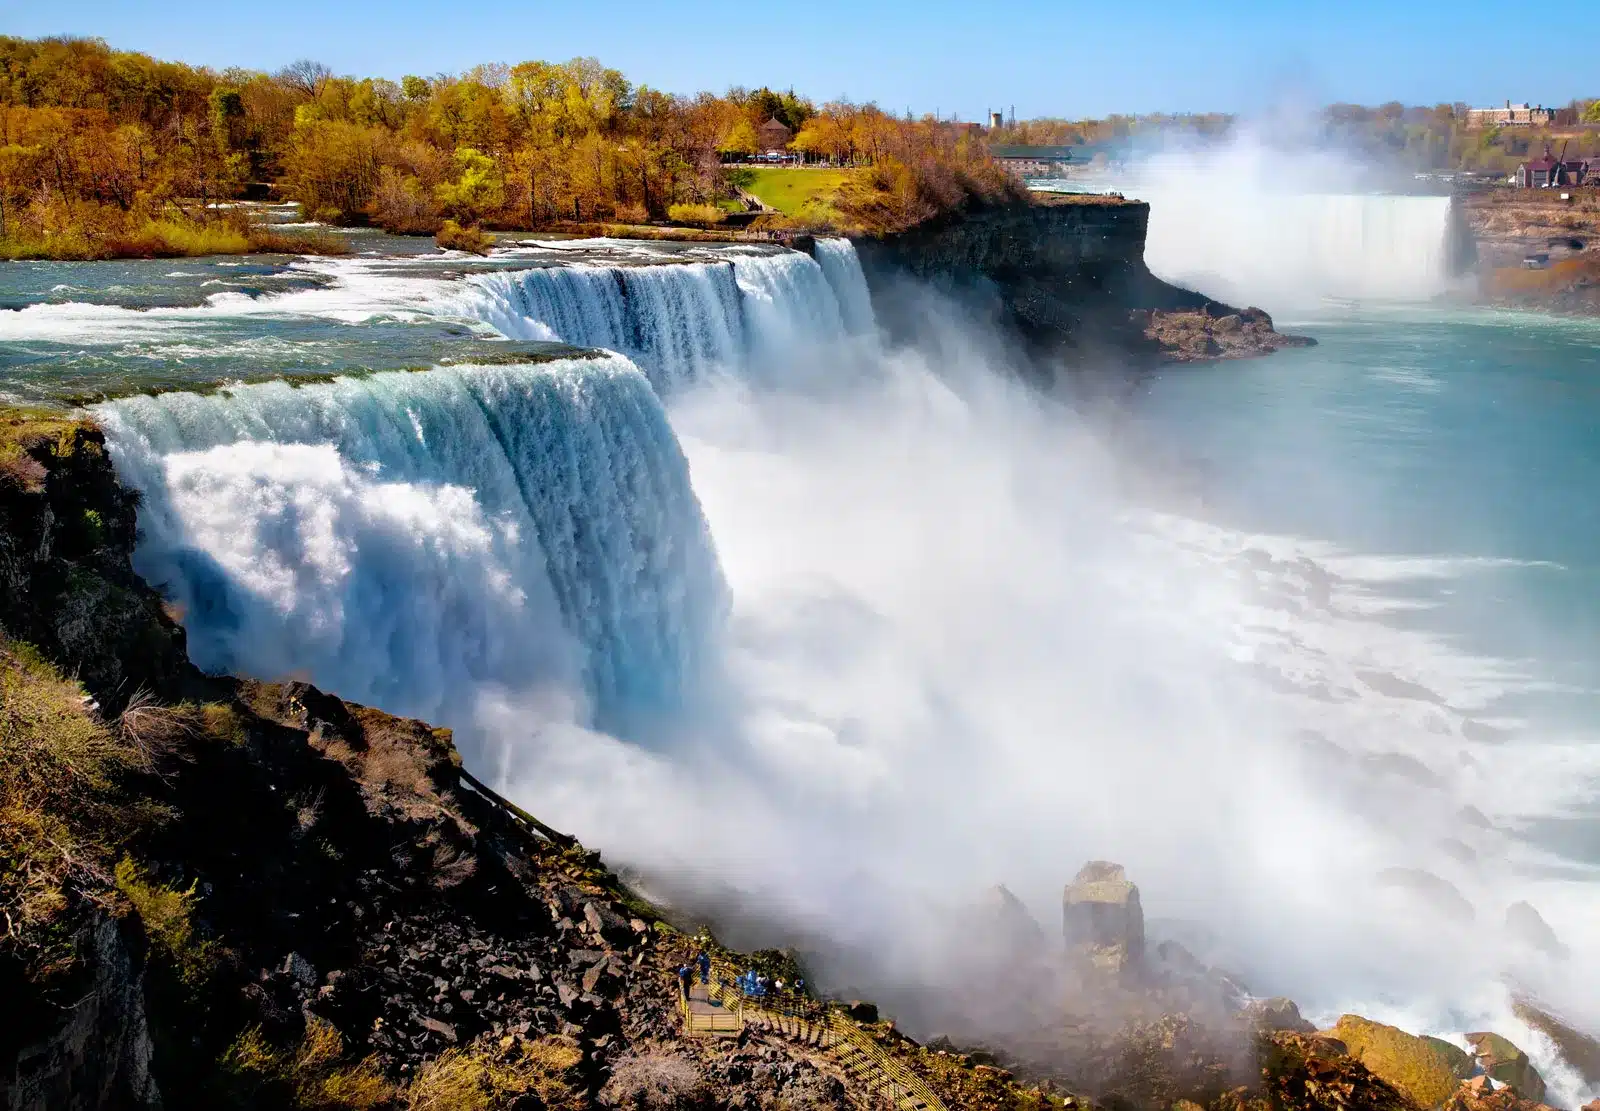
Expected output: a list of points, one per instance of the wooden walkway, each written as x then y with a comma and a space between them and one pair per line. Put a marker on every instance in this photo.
720, 1009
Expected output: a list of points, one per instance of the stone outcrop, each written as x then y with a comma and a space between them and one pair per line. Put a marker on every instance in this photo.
1427, 1070
1502, 1061
1101, 919
100, 1054
67, 583
1526, 925
1068, 274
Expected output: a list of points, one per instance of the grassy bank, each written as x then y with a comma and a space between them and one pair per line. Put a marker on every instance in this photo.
163, 237
797, 193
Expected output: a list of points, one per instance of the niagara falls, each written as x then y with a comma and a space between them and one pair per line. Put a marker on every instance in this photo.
523, 590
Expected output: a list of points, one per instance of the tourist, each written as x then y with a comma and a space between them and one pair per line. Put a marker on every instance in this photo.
704, 960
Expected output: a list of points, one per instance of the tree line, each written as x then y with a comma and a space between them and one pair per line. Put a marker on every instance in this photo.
1420, 138
93, 138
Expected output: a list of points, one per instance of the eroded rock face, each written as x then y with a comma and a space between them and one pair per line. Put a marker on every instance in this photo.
100, 1056
1502, 1061
1101, 919
1427, 1070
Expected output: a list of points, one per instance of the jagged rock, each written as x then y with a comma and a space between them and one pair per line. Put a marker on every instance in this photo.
1277, 1013
1525, 924
1010, 921
1101, 919
862, 1011
1430, 890
1504, 1062
1428, 1070
1576, 1048
300, 970
100, 1056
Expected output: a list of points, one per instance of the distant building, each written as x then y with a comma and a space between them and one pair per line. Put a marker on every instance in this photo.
1546, 171
1513, 115
1037, 161
775, 136
997, 120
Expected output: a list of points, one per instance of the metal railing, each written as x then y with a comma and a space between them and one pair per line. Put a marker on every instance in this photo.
816, 1023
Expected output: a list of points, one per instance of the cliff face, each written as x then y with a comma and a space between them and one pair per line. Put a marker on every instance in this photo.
1066, 272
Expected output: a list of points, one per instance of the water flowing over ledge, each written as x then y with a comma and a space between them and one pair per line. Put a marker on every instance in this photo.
683, 321
407, 538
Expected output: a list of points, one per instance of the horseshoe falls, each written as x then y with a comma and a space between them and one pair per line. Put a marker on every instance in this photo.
1298, 248
407, 538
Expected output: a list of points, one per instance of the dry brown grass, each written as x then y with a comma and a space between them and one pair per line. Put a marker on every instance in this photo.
482, 1077
315, 1076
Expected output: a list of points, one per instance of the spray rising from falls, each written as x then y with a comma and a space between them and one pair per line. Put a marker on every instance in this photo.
682, 321
407, 539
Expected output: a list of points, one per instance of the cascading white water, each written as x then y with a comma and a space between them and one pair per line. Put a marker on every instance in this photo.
839, 263
1255, 246
408, 539
682, 321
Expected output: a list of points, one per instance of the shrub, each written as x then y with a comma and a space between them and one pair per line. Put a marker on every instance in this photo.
313, 1076
702, 214
63, 808
453, 237
403, 205
168, 917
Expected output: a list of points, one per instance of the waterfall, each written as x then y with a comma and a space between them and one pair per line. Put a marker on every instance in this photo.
839, 263
1284, 249
407, 539
683, 321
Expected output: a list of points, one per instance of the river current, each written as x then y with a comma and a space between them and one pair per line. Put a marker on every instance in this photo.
659, 538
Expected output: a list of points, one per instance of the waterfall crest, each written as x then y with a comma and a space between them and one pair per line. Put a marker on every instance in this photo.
681, 322
409, 538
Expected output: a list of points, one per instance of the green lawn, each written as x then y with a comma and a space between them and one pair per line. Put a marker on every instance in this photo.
791, 190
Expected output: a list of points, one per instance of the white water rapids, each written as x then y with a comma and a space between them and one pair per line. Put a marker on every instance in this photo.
759, 606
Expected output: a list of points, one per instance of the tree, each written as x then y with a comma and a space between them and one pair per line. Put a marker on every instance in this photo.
741, 140
306, 76
479, 189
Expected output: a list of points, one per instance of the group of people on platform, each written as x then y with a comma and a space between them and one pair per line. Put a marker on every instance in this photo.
752, 984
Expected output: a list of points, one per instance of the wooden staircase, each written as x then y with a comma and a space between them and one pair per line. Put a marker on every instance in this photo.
720, 1008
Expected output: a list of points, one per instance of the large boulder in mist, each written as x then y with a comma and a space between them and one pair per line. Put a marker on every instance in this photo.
1101, 919
1526, 925
1009, 923
1502, 1061
1276, 1014
1427, 1070
1424, 889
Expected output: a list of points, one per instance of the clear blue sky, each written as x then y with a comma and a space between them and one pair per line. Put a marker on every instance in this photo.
1047, 57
